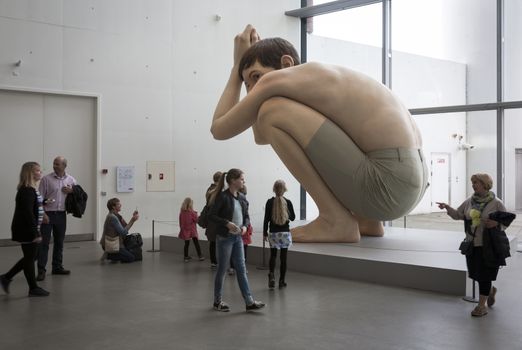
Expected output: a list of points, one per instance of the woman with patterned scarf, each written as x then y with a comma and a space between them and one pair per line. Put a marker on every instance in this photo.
475, 211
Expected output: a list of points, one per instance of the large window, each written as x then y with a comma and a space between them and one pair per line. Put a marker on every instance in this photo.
482, 136
449, 47
455, 65
513, 158
356, 46
513, 50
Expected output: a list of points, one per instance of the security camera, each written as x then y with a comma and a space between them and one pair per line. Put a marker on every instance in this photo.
466, 146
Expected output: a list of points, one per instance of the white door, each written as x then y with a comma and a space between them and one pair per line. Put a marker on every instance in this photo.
21, 139
38, 127
440, 179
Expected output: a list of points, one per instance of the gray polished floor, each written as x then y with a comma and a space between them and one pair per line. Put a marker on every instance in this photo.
163, 303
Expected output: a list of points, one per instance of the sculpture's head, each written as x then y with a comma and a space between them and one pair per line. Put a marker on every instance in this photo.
264, 56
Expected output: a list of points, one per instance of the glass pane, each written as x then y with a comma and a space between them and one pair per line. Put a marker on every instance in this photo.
444, 52
513, 159
456, 145
350, 38
512, 50
442, 138
482, 134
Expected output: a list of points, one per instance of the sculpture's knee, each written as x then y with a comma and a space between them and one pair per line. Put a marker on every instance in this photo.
271, 110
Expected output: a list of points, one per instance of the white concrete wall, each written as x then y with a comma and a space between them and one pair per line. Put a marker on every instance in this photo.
201, 62
159, 67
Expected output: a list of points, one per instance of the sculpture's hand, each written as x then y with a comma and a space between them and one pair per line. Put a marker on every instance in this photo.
243, 41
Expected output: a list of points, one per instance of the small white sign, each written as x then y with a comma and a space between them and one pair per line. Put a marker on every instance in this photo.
125, 179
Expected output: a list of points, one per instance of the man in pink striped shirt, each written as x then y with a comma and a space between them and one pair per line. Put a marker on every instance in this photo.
54, 188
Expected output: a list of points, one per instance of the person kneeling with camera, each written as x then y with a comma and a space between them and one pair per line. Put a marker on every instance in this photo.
115, 229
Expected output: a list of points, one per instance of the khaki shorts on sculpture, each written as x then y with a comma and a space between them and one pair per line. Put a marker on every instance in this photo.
381, 185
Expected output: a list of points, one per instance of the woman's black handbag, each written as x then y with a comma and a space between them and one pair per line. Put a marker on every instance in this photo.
133, 242
466, 247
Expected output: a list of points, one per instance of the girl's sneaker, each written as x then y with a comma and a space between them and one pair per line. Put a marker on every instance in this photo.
256, 305
221, 306
188, 258
201, 258
38, 292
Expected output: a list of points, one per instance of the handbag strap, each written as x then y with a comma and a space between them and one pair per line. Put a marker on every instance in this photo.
468, 226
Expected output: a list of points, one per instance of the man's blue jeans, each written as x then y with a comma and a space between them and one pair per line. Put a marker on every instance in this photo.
231, 247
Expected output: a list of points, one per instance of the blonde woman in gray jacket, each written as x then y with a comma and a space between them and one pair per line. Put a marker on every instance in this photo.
475, 211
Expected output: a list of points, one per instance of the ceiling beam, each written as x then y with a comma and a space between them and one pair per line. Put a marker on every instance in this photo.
333, 6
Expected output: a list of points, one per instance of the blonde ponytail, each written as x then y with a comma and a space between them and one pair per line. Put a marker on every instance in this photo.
280, 208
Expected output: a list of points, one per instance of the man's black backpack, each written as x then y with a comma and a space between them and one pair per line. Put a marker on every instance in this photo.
133, 242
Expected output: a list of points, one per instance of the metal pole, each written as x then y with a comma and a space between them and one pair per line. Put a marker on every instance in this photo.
386, 43
153, 250
263, 265
500, 97
472, 298
304, 54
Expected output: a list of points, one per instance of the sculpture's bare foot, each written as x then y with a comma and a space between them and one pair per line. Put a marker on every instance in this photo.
370, 227
323, 231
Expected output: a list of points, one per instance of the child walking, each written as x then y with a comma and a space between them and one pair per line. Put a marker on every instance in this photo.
188, 230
